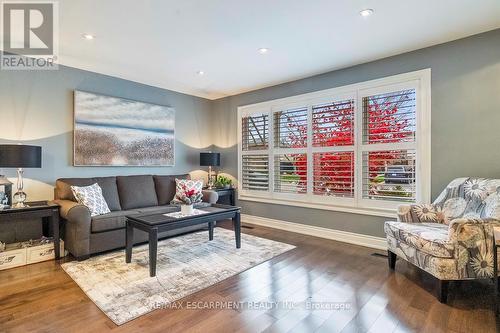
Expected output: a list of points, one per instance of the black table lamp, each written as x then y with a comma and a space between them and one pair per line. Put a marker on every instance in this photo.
20, 156
210, 160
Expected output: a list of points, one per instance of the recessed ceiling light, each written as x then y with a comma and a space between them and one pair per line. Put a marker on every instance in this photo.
88, 36
366, 12
200, 73
263, 50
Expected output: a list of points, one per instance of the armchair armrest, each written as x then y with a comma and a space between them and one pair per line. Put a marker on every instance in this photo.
415, 213
77, 229
210, 196
475, 245
472, 229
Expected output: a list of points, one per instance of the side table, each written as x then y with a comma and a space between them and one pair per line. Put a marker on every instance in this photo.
47, 212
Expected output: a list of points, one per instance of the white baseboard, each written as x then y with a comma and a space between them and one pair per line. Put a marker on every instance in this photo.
338, 235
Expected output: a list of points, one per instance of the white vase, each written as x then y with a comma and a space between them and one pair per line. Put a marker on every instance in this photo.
187, 209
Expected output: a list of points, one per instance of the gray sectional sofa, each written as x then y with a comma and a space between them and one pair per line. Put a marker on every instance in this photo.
85, 235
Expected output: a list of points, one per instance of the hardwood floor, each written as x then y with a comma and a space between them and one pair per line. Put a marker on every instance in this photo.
42, 298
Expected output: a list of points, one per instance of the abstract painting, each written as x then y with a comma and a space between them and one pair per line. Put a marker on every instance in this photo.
112, 131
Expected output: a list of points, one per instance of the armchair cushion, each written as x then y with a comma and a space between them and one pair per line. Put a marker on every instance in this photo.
421, 213
441, 268
430, 238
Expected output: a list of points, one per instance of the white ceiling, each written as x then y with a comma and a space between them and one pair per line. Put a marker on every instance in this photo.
164, 43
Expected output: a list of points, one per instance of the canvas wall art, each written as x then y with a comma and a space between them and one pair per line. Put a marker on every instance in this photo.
111, 131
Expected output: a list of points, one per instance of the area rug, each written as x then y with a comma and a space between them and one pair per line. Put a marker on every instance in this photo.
185, 265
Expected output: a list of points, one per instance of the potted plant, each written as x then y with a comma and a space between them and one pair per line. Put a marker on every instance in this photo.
188, 198
223, 182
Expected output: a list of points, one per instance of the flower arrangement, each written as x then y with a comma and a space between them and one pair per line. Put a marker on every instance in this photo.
190, 196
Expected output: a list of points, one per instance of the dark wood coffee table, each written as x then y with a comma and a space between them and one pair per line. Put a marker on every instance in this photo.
157, 223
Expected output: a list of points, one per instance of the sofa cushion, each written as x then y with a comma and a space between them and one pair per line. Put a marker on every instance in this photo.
136, 191
109, 191
165, 187
107, 184
110, 221
117, 220
430, 238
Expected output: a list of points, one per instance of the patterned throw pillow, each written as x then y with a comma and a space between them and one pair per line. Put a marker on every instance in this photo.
91, 196
186, 185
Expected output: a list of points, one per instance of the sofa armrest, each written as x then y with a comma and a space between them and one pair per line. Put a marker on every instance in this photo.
210, 196
420, 213
77, 229
68, 207
474, 245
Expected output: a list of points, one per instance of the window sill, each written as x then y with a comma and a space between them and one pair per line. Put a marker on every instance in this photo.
390, 213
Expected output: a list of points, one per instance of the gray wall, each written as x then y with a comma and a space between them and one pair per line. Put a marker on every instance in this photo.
465, 120
36, 107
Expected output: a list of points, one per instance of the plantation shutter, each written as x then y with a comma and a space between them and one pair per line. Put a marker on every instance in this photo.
290, 128
255, 172
389, 175
333, 174
290, 173
255, 132
333, 124
389, 118
389, 122
332, 134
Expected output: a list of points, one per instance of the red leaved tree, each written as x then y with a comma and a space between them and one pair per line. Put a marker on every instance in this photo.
333, 125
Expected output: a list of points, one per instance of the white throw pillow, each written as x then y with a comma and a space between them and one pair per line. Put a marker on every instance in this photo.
91, 196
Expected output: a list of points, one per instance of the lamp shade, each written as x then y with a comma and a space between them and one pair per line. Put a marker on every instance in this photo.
20, 156
209, 159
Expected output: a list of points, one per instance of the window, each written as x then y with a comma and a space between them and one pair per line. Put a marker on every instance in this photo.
362, 148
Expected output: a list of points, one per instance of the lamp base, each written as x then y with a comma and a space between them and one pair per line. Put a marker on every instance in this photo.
20, 199
210, 183
20, 196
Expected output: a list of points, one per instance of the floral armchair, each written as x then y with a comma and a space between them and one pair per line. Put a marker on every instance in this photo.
452, 238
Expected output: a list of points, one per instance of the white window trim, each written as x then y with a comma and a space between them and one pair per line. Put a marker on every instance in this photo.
420, 80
